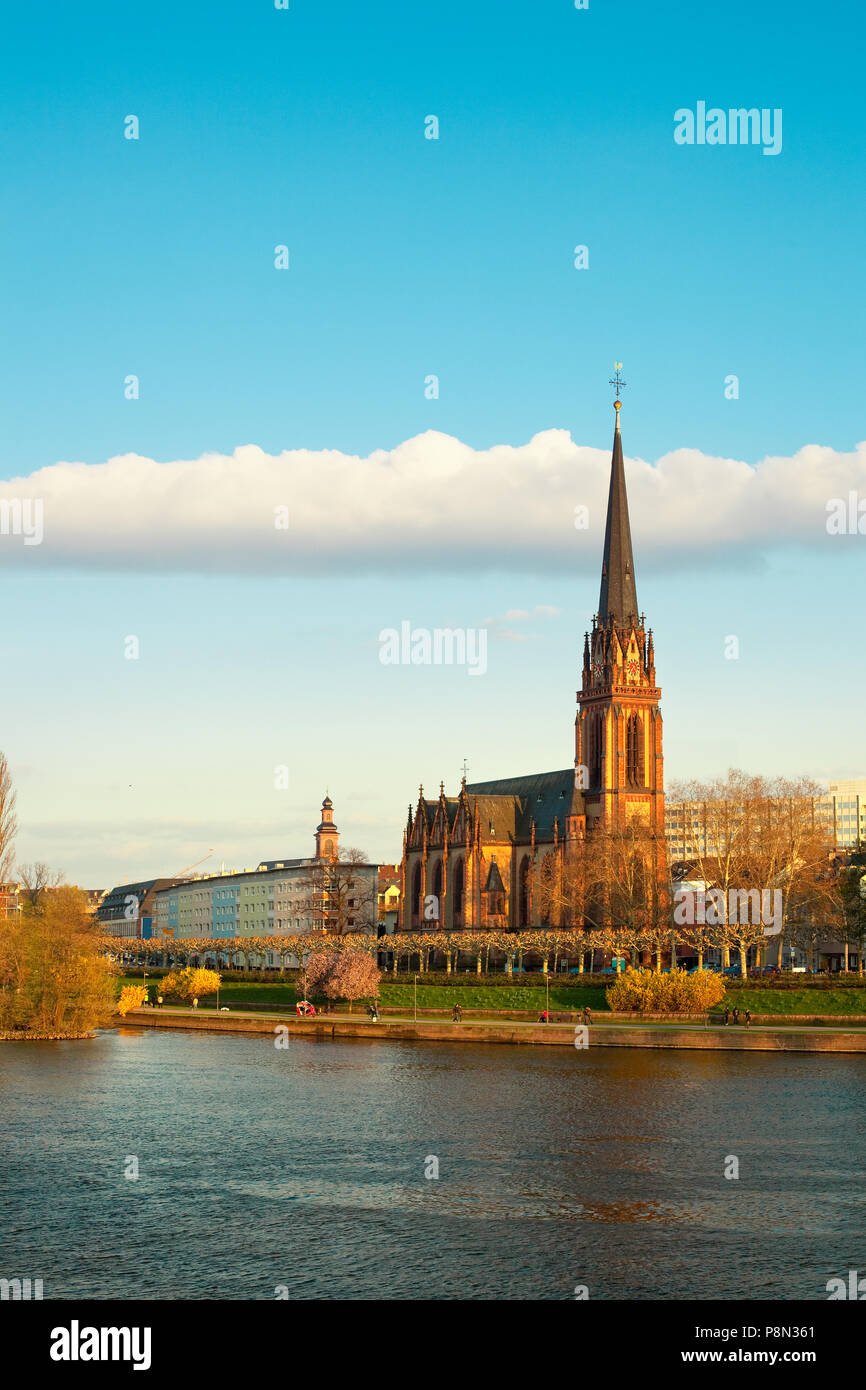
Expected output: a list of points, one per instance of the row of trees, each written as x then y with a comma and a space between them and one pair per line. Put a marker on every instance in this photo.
489, 949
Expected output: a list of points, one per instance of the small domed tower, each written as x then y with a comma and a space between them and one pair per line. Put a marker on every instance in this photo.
327, 834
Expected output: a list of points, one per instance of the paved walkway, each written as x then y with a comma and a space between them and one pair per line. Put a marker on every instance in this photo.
597, 1022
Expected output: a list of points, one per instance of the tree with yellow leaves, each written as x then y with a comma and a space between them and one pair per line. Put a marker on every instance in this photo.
131, 997
54, 975
192, 982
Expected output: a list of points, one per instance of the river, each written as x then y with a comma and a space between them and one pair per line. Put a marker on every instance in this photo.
301, 1170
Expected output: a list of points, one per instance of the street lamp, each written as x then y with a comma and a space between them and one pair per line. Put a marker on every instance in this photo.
416, 998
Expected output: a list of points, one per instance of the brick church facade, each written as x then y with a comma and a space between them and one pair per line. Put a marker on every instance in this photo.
469, 861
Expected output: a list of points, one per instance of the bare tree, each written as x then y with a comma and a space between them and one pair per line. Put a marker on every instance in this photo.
8, 820
339, 895
614, 877
36, 880
750, 835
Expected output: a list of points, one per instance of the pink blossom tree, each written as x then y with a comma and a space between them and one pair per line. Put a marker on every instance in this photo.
317, 972
343, 975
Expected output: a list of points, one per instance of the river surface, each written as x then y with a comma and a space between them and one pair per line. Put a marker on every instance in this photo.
302, 1169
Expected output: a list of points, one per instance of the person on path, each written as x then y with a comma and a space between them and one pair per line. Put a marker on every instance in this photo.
748, 1018
159, 1000
195, 1003
727, 1014
544, 1017
736, 1015
457, 1014
587, 1016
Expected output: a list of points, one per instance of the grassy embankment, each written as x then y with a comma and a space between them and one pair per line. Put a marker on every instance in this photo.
839, 1001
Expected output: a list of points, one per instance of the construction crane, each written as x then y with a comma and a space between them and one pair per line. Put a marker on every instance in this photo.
185, 871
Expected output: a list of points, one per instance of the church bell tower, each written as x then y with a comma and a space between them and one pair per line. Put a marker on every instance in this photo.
618, 754
327, 834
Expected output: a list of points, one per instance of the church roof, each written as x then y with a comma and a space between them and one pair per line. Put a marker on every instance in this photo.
618, 596
542, 797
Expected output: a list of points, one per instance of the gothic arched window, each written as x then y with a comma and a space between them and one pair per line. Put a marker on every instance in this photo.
595, 750
437, 891
524, 903
459, 890
634, 751
417, 905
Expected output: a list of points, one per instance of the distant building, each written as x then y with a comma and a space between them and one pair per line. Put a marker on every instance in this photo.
389, 898
845, 806
281, 897
841, 813
94, 897
128, 909
9, 899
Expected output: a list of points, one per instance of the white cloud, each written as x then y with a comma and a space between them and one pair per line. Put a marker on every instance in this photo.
518, 615
432, 501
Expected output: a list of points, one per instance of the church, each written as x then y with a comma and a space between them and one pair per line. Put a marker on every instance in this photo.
469, 860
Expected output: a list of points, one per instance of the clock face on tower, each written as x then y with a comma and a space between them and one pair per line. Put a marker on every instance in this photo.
598, 670
632, 669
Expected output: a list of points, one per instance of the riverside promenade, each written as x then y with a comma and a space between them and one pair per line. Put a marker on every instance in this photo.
699, 1035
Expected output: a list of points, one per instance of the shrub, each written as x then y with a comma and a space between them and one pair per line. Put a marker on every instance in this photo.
648, 991
131, 997
191, 983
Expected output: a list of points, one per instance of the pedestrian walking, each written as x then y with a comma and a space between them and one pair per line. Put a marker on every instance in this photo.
457, 1014
727, 1014
587, 1016
544, 1017
195, 1003
748, 1018
159, 1000
736, 1015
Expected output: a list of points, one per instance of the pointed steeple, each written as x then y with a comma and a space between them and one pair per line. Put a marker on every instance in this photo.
618, 596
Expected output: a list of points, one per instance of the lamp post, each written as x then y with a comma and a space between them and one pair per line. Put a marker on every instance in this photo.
547, 986
416, 998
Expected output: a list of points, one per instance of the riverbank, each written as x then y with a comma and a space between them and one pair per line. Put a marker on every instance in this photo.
19, 1035
697, 1036
843, 1003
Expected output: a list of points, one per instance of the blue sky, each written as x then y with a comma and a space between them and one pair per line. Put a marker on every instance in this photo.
409, 256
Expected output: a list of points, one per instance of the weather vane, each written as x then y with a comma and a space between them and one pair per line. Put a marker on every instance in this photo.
617, 380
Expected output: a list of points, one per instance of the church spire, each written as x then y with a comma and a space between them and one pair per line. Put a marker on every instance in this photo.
618, 596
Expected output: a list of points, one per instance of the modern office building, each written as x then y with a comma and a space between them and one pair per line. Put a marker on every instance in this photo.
845, 806
842, 813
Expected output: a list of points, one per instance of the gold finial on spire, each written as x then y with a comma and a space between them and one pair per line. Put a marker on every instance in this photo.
618, 382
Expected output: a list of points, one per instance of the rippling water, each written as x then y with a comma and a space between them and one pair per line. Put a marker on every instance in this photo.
304, 1167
